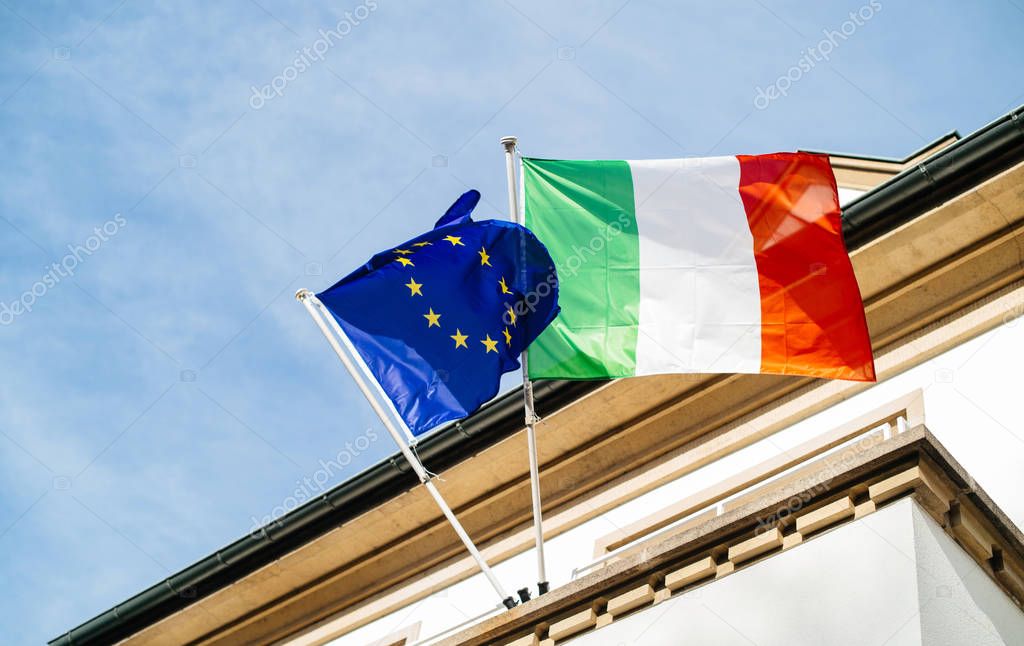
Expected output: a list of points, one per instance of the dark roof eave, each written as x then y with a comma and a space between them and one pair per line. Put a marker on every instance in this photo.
952, 170
891, 160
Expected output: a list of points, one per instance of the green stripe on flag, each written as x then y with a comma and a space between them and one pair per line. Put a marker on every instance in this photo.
583, 211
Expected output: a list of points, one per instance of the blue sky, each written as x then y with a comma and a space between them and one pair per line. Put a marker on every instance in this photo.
169, 389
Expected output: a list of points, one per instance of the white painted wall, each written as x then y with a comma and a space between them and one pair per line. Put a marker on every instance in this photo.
959, 603
890, 578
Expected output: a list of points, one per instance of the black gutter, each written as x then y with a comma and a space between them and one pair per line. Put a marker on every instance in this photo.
956, 168
888, 160
948, 173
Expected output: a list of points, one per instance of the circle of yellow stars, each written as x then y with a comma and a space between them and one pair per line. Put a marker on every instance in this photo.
433, 319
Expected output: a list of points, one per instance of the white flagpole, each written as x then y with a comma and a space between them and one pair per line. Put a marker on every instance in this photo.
313, 305
531, 416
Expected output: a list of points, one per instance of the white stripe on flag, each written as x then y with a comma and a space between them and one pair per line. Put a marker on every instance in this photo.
700, 303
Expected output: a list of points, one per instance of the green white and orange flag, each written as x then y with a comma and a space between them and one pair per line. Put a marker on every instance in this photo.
723, 264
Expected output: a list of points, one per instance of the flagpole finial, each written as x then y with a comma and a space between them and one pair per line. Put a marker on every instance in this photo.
302, 294
509, 141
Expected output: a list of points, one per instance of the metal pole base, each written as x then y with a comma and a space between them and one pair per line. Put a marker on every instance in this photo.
509, 602
542, 587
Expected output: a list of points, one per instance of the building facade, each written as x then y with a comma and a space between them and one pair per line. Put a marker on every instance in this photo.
706, 509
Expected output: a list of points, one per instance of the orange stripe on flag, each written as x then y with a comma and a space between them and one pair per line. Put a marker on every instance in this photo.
812, 316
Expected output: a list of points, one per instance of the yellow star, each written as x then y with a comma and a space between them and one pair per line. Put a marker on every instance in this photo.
433, 320
460, 339
508, 337
484, 258
422, 244
504, 287
404, 252
404, 261
490, 344
455, 240
511, 317
414, 287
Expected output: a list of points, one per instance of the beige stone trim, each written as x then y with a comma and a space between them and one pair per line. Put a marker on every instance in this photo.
823, 517
756, 546
527, 640
630, 600
1011, 574
909, 407
573, 624
402, 637
696, 571
971, 531
917, 466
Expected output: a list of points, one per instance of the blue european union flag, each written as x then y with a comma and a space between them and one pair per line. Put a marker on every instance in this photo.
439, 318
